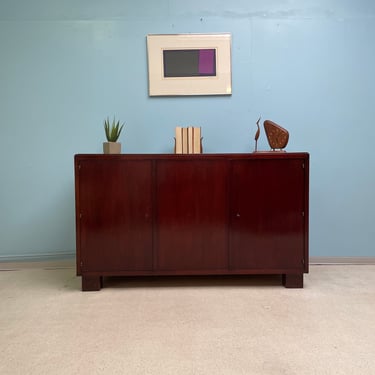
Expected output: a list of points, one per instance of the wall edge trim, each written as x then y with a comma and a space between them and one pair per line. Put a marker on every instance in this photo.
342, 260
56, 256
67, 259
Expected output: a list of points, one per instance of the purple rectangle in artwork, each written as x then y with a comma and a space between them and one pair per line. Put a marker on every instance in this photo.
207, 62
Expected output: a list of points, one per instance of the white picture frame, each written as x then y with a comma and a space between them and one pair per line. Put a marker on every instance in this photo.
219, 82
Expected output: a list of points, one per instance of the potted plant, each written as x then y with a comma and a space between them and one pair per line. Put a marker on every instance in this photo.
112, 133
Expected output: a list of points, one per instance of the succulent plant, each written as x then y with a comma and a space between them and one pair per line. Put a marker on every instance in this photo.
112, 131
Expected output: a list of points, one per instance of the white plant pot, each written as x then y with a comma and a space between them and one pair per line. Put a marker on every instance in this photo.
111, 147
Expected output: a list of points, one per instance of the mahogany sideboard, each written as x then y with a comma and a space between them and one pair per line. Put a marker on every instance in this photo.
201, 214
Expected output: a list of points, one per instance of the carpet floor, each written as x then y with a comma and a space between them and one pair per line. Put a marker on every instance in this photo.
187, 325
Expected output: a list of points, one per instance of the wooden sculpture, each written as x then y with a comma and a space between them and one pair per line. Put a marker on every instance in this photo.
257, 135
277, 136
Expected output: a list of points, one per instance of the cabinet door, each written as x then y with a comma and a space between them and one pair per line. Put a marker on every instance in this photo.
267, 214
116, 219
192, 215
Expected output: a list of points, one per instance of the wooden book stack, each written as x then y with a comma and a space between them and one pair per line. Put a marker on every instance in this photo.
188, 140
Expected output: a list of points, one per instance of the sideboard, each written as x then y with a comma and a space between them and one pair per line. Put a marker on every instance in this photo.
196, 214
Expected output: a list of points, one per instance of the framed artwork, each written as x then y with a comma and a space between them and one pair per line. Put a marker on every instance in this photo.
189, 64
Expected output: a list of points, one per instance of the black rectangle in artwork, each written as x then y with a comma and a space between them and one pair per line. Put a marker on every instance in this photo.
189, 63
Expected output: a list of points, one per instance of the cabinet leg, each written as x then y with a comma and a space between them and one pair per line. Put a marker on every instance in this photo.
292, 280
91, 283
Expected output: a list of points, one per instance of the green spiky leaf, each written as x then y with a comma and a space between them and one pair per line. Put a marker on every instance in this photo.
112, 131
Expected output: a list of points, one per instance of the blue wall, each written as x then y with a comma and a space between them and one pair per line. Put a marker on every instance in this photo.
66, 65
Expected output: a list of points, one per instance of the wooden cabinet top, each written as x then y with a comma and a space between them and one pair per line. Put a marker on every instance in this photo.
226, 156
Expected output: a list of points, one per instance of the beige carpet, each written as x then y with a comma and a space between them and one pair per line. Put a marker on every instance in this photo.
246, 325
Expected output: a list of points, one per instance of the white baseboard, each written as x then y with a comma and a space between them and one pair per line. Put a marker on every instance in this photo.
67, 259
38, 257
342, 260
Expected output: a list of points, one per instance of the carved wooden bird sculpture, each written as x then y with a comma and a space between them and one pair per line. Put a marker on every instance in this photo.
257, 135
